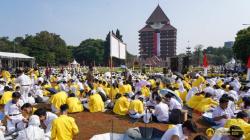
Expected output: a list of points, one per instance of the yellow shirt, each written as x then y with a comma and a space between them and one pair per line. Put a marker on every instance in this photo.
121, 106
95, 103
74, 104
58, 99
145, 91
107, 91
194, 100
122, 89
183, 95
63, 128
7, 96
136, 106
238, 122
205, 104
113, 92
153, 83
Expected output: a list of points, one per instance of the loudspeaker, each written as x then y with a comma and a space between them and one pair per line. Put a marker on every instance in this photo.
143, 70
164, 70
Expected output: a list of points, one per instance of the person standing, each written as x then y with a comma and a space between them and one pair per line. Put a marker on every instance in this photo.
64, 127
25, 85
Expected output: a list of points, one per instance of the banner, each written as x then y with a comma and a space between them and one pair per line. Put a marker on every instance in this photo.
117, 48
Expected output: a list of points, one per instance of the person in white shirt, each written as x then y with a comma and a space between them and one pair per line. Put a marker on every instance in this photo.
161, 112
222, 113
172, 102
180, 131
218, 92
12, 112
25, 85
46, 119
33, 131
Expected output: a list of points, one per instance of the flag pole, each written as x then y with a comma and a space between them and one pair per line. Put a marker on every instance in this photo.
110, 68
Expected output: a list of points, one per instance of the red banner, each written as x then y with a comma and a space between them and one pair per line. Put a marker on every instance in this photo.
205, 63
248, 62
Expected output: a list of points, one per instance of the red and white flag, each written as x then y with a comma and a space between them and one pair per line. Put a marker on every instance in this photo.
248, 69
205, 64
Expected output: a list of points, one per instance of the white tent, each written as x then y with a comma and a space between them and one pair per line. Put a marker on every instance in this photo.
74, 62
8, 59
108, 136
14, 55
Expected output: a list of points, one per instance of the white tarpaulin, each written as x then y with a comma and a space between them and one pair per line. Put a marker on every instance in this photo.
117, 48
14, 55
108, 136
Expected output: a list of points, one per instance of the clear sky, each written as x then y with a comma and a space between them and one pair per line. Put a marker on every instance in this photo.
207, 22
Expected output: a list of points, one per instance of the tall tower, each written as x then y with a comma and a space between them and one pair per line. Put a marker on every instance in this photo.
157, 37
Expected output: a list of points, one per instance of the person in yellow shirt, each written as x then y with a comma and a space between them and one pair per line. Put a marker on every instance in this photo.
146, 91
64, 127
122, 88
241, 121
206, 103
7, 96
95, 103
122, 105
57, 100
136, 108
74, 104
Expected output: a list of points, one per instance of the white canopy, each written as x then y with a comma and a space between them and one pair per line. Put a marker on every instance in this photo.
14, 55
74, 62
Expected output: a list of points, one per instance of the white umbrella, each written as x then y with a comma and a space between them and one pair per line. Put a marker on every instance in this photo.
168, 91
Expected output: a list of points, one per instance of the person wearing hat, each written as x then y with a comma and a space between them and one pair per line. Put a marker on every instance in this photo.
180, 131
136, 108
121, 105
64, 127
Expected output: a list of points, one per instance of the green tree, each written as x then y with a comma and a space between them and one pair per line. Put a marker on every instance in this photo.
241, 46
90, 51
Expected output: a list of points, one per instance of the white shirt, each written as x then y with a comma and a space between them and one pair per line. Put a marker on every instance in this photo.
48, 121
12, 109
161, 112
23, 80
209, 90
174, 104
218, 111
218, 93
176, 130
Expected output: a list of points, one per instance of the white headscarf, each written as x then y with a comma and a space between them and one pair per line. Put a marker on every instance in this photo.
33, 131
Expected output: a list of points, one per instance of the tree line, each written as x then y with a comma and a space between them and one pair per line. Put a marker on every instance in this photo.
50, 49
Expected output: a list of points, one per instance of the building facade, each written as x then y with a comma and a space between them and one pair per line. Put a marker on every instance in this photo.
229, 44
157, 37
